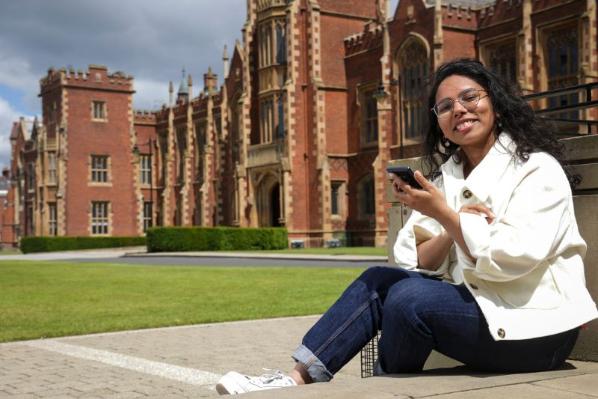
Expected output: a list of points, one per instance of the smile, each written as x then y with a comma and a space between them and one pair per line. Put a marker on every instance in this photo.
464, 125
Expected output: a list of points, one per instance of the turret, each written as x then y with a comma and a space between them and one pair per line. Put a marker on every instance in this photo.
210, 81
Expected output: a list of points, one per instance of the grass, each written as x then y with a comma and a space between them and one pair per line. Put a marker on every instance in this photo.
51, 299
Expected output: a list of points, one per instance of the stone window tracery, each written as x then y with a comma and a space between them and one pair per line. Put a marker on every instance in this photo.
502, 60
413, 80
562, 66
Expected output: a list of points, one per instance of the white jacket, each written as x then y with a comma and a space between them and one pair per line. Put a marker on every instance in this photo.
528, 276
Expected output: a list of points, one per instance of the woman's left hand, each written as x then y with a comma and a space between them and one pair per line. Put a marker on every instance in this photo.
428, 200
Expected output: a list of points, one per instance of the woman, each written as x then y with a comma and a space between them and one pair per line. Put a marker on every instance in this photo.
491, 260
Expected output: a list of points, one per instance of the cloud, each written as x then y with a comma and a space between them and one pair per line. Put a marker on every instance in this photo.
152, 40
149, 39
8, 115
150, 94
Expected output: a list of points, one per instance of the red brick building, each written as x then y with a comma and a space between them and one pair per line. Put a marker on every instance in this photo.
316, 99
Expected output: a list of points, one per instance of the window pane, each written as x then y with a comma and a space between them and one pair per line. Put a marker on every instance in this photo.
413, 70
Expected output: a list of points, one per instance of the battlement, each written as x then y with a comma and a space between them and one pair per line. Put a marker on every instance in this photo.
96, 77
144, 117
369, 38
500, 11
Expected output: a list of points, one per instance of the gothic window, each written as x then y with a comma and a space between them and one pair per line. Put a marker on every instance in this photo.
502, 60
51, 168
163, 151
369, 126
200, 137
30, 176
181, 137
217, 125
237, 122
280, 128
366, 197
266, 120
281, 44
413, 75
265, 44
562, 57
336, 197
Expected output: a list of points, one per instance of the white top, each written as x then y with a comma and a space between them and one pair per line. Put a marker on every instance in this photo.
528, 277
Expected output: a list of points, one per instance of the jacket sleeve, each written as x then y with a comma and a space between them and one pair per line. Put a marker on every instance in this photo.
417, 229
534, 227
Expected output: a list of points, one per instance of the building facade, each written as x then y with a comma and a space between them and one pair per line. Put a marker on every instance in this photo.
316, 99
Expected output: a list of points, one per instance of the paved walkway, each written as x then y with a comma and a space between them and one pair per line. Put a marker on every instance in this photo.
185, 362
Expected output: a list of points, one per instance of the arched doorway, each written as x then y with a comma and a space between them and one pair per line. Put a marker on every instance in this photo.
268, 200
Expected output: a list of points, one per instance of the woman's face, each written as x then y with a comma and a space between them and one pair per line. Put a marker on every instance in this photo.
465, 114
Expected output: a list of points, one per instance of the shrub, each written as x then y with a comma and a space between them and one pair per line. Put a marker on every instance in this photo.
174, 239
50, 244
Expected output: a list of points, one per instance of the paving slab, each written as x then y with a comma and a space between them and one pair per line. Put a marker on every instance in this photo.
185, 362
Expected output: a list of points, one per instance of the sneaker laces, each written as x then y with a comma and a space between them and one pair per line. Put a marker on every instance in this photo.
273, 375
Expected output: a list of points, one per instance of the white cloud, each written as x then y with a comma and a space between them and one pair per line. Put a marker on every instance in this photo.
149, 94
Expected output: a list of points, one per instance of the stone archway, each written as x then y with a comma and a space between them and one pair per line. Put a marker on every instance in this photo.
268, 200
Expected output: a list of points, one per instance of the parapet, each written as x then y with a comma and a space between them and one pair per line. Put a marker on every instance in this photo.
145, 117
369, 38
96, 77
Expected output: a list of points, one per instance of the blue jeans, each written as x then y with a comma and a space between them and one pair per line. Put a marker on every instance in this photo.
417, 314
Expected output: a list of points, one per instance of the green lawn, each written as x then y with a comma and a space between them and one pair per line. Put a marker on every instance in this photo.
50, 299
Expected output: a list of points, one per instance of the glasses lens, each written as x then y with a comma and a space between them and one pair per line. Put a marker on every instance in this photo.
470, 99
444, 107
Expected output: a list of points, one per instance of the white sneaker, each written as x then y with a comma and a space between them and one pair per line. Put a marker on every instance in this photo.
233, 383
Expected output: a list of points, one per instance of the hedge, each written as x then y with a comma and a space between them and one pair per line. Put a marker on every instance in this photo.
50, 244
175, 239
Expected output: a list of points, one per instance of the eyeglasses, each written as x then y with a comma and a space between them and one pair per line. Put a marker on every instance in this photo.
469, 99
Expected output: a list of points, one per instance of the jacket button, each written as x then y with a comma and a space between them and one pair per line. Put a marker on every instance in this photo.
467, 194
501, 333
473, 286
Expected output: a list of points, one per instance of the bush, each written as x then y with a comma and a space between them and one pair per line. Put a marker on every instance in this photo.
175, 239
50, 244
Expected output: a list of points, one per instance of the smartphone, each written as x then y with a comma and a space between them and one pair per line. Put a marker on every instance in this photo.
405, 173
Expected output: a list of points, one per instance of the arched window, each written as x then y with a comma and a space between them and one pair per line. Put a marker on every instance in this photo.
413, 78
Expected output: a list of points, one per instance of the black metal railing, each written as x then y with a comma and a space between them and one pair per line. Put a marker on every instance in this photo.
564, 107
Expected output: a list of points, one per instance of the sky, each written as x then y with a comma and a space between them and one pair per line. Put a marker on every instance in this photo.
152, 40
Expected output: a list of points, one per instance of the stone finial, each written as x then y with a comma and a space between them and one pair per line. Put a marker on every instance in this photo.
225, 61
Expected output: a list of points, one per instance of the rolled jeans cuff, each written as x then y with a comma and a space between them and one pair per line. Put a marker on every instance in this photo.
314, 367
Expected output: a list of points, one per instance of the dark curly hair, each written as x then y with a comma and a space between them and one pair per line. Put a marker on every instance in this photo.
513, 115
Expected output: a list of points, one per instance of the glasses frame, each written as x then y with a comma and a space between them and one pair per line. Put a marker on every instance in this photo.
461, 101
